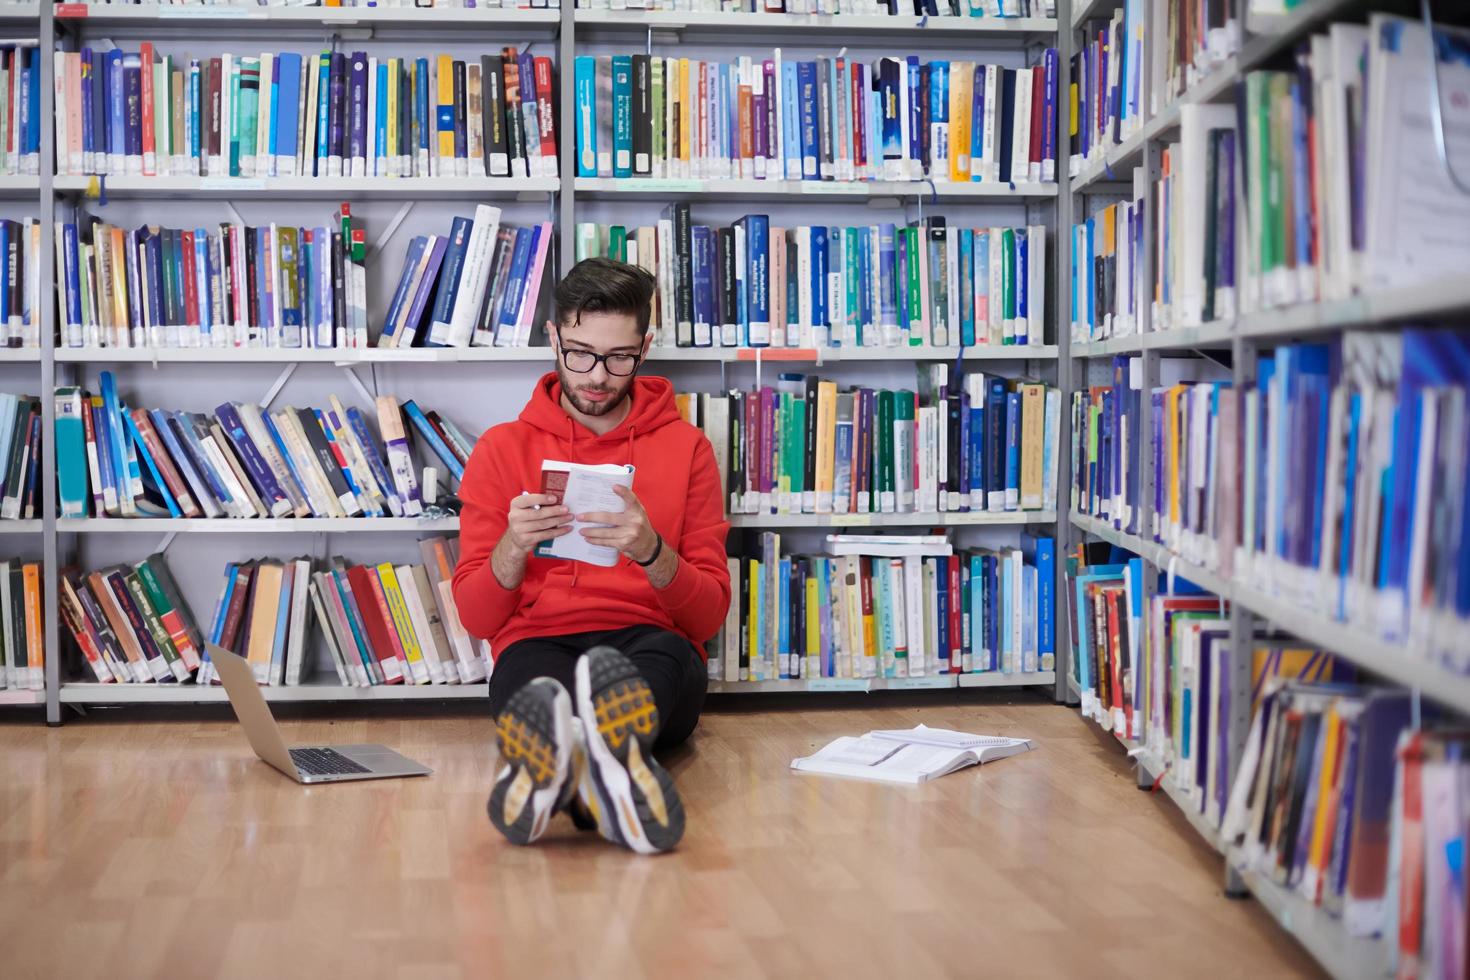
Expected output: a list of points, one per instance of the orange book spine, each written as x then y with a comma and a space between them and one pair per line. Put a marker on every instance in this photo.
35, 642
150, 155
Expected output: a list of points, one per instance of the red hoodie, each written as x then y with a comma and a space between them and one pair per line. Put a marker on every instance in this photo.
676, 480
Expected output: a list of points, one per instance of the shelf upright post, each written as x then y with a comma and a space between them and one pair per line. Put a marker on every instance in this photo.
1062, 318
46, 325
566, 54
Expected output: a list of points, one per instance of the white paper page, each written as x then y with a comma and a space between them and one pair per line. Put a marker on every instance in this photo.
588, 491
883, 761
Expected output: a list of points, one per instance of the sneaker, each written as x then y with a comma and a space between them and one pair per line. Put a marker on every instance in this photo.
631, 796
534, 734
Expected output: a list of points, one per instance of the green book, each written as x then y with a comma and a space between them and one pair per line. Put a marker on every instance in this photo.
904, 438
249, 103
939, 290
617, 243
154, 625
71, 451
850, 269
912, 237
1008, 284
798, 445
885, 487
234, 134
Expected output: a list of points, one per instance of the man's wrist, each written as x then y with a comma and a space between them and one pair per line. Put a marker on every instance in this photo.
653, 553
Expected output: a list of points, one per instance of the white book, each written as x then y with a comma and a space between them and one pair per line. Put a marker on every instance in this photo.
369, 163
913, 599
1191, 181
62, 98
265, 124
479, 250
471, 667
306, 152
910, 757
297, 637
339, 661
583, 489
429, 663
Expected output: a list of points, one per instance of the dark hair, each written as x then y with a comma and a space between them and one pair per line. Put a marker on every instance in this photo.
604, 286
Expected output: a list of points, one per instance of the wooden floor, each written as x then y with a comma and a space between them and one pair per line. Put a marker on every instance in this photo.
164, 849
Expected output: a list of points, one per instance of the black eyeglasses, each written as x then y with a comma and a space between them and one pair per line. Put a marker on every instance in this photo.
583, 361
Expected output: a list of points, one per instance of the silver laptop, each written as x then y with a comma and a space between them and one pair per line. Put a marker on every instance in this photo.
312, 764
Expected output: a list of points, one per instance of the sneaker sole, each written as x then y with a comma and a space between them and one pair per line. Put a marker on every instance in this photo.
621, 720
534, 737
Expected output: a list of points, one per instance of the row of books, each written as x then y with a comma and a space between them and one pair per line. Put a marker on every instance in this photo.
131, 623
486, 283
231, 286
243, 461
20, 283
22, 629
755, 284
1343, 798
333, 114
20, 108
887, 606
1107, 81
980, 443
897, 118
20, 456
855, 8
1336, 481
407, 4
383, 623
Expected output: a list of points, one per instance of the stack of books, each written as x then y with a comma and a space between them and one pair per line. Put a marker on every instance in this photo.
336, 114
383, 623
20, 457
888, 606
1315, 806
755, 284
856, 8
440, 4
832, 119
1107, 250
20, 108
1104, 453
1194, 40
485, 279
244, 462
804, 447
22, 629
131, 623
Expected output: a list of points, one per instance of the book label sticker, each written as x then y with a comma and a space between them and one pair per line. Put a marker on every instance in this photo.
837, 684
921, 683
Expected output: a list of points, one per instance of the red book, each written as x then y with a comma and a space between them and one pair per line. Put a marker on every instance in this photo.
165, 463
191, 284
865, 582
373, 607
211, 107
150, 159
542, 67
235, 612
956, 618
1038, 114
859, 104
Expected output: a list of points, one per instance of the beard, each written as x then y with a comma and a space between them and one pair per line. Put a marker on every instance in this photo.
572, 386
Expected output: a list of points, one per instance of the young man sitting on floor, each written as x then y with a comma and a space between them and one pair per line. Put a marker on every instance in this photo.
629, 637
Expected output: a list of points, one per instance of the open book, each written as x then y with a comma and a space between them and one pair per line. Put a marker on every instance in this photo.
583, 488
914, 755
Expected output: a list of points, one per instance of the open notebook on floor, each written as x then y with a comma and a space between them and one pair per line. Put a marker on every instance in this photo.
914, 755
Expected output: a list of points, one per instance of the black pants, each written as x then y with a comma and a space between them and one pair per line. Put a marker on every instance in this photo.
676, 674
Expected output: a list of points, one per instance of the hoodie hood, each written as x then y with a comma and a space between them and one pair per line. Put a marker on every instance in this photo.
652, 408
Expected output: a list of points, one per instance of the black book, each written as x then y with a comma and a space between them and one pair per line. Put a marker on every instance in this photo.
18, 655
30, 503
492, 108
737, 447
926, 114
461, 120
955, 460
642, 117
727, 296
824, 115
406, 144
252, 315
337, 104
796, 641
515, 136
744, 566
323, 451
683, 274
1007, 120
809, 471
339, 283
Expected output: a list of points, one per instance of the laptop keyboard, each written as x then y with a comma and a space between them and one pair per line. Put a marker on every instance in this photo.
324, 762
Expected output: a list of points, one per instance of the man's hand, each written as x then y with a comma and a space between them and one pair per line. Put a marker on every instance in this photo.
629, 532
526, 526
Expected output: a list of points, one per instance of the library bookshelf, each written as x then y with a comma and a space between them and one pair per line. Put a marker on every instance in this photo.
1236, 344
506, 372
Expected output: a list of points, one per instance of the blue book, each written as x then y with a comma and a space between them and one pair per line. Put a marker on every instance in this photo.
182, 430
283, 619
421, 104
1023, 300
977, 127
622, 109
702, 262
286, 99
280, 444
153, 250
411, 261
323, 115
790, 122
217, 625
181, 457
88, 136
124, 470
1009, 656
152, 466
252, 461
867, 323
806, 81
783, 621
819, 284
28, 126
887, 283
1048, 116
370, 509
380, 109
842, 470
73, 283
274, 96
519, 264
757, 279
916, 122
1041, 552
193, 120
201, 284
359, 426
117, 128
967, 287
941, 618
133, 103
431, 436
1013, 450
900, 283
106, 471
975, 459
586, 88
354, 623
448, 285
